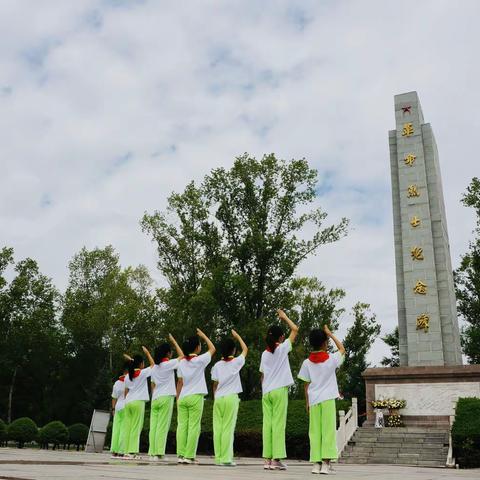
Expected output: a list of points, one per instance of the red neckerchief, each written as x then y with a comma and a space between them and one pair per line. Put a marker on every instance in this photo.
189, 357
268, 349
228, 359
137, 372
318, 357
121, 378
163, 360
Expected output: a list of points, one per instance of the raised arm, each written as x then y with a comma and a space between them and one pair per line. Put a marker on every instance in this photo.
293, 327
210, 345
127, 357
337, 342
243, 345
180, 353
150, 358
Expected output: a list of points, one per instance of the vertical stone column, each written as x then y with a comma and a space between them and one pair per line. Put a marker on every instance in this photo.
428, 325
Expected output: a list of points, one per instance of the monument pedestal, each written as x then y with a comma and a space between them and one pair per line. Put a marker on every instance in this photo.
429, 391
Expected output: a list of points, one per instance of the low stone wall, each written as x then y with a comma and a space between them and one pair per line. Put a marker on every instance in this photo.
429, 391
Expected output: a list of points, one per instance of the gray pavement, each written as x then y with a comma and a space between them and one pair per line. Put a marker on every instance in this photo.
27, 464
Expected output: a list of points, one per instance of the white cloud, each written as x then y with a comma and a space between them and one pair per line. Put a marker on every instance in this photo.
108, 106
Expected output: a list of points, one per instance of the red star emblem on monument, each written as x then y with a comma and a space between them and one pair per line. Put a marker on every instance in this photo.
407, 109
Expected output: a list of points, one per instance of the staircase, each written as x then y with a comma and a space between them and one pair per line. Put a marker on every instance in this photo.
406, 446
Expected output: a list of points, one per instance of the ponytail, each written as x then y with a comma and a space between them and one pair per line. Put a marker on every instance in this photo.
133, 364
273, 336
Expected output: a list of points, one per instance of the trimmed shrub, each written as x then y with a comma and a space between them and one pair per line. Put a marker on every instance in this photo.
3, 432
466, 433
22, 430
77, 434
54, 432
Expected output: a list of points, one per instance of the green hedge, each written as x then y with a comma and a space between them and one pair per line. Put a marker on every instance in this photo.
22, 430
54, 433
77, 434
466, 433
248, 434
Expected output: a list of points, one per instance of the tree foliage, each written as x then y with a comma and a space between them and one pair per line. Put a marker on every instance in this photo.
358, 341
467, 281
107, 310
392, 340
30, 338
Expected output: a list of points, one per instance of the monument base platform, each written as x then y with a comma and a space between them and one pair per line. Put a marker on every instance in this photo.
430, 391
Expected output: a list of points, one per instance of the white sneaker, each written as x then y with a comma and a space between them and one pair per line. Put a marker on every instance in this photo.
180, 460
266, 464
278, 465
191, 461
316, 468
325, 470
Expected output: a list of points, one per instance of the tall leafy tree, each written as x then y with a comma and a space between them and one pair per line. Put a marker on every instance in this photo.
230, 248
31, 340
392, 340
107, 310
467, 281
358, 341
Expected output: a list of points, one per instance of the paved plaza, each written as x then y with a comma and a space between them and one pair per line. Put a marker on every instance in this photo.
29, 464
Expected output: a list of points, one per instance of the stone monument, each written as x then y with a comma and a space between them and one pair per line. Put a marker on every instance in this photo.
431, 374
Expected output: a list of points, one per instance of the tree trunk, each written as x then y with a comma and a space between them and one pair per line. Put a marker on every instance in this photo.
10, 395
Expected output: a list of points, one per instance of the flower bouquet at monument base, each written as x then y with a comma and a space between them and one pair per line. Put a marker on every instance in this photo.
390, 403
393, 419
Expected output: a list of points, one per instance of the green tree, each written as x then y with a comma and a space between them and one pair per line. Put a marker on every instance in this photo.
107, 310
392, 340
230, 248
358, 341
30, 344
467, 281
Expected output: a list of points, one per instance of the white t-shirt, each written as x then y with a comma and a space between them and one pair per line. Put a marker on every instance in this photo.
163, 376
227, 374
193, 374
118, 392
322, 378
276, 368
138, 387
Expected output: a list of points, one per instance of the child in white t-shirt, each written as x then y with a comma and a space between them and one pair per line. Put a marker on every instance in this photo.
276, 378
226, 387
117, 444
136, 395
321, 390
191, 389
163, 396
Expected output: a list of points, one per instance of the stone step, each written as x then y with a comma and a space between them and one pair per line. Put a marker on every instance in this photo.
367, 447
400, 434
396, 461
393, 457
409, 441
438, 429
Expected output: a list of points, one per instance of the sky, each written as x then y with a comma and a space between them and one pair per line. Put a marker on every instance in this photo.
107, 106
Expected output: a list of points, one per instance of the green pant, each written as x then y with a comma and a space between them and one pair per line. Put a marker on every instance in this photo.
189, 413
160, 419
323, 431
134, 413
274, 406
225, 410
118, 437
